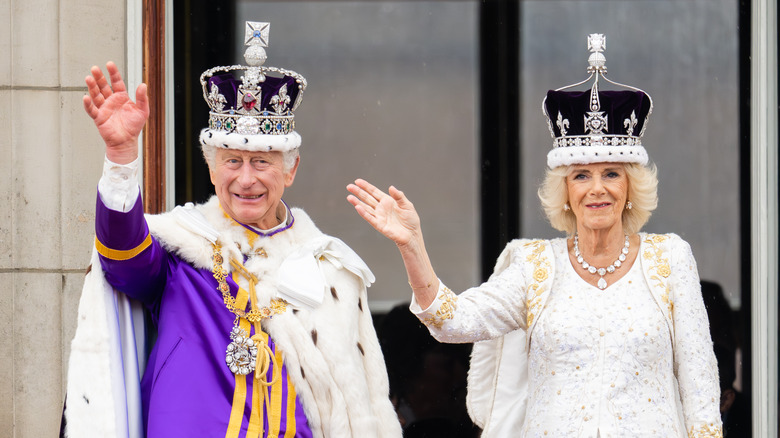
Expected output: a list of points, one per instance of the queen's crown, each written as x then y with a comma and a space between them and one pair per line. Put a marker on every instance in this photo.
597, 126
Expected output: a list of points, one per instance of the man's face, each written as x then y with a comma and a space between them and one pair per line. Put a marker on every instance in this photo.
250, 185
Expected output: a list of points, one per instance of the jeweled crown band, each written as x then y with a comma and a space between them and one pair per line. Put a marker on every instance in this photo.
264, 123
597, 140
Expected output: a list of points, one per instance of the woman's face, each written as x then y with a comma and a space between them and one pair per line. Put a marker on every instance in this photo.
597, 195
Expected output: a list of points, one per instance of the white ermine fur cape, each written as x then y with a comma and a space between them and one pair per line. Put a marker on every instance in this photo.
331, 352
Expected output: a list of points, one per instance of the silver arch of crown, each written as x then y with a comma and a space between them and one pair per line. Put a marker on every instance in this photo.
248, 117
595, 119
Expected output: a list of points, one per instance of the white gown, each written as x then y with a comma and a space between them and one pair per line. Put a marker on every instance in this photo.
602, 363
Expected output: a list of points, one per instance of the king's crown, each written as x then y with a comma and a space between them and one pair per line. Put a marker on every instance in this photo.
252, 99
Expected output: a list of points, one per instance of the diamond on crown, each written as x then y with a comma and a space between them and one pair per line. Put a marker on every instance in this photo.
630, 124
281, 100
562, 123
216, 101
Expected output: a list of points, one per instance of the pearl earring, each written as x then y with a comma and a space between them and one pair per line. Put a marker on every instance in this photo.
566, 207
629, 205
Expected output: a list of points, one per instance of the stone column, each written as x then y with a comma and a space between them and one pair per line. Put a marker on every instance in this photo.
51, 161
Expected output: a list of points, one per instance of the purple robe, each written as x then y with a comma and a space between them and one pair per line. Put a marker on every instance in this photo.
187, 389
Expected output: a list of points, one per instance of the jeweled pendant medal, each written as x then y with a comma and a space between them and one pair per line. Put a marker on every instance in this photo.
241, 354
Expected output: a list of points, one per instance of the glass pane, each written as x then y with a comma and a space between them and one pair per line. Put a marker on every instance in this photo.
391, 98
685, 55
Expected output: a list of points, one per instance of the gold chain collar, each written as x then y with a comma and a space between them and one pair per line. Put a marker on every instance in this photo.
255, 315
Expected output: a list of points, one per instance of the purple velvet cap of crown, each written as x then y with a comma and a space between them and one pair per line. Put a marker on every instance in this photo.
617, 106
610, 133
228, 87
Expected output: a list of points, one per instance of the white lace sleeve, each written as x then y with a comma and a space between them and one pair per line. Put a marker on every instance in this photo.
484, 312
694, 360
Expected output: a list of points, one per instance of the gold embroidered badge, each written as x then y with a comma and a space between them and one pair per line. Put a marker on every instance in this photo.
706, 431
533, 300
659, 268
447, 308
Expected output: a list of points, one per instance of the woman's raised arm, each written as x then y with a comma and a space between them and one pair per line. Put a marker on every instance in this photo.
393, 215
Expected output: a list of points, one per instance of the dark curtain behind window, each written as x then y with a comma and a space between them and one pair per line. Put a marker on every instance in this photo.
202, 33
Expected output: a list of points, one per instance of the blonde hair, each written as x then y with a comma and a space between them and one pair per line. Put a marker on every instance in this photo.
642, 192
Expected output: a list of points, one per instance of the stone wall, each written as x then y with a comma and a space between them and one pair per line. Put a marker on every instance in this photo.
51, 161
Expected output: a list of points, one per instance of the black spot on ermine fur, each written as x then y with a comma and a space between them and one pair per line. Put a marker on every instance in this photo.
314, 336
333, 292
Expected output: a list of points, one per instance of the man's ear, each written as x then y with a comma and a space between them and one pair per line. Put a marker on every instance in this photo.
289, 177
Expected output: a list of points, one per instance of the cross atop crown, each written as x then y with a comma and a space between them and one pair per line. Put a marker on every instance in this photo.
256, 33
597, 43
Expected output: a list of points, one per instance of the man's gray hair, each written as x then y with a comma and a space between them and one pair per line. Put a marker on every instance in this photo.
210, 155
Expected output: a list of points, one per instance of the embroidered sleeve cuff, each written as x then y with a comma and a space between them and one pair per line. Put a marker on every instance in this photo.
706, 431
118, 187
440, 310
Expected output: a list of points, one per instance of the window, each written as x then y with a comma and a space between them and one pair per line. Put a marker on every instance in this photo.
365, 60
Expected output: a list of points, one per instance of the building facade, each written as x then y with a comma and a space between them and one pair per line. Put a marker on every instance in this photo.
53, 159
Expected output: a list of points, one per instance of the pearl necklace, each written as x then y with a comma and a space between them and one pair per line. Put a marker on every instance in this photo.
602, 284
